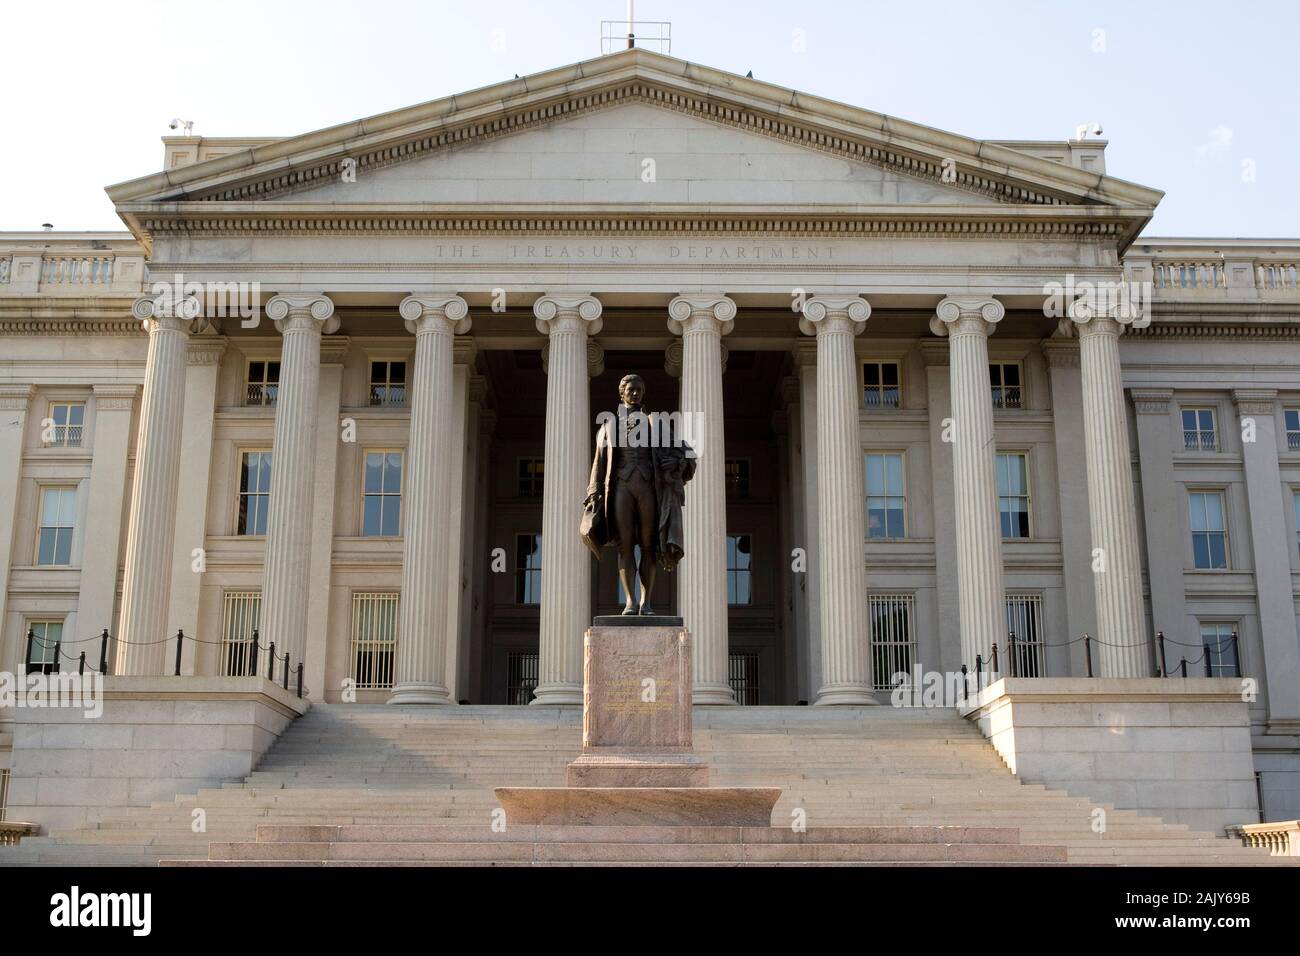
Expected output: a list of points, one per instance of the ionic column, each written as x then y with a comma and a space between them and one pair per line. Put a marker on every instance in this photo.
567, 321
1116, 560
151, 530
968, 321
841, 500
702, 321
301, 319
420, 674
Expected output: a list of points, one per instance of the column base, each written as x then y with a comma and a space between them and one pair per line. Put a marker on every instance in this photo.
712, 695
845, 694
550, 694
420, 693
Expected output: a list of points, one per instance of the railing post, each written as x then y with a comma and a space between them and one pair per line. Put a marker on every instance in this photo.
1183, 667
180, 644
270, 663
979, 673
1087, 652
57, 666
300, 681
965, 683
1164, 664
103, 653
1236, 655
252, 671
286, 671
31, 640
994, 669
81, 665
1011, 653
1209, 672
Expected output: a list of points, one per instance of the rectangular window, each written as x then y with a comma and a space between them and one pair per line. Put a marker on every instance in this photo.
1013, 495
388, 383
374, 639
880, 385
742, 675
382, 498
736, 472
58, 516
521, 676
1025, 621
65, 425
1005, 379
739, 569
1219, 640
1199, 433
239, 653
893, 640
532, 475
1292, 416
254, 492
43, 638
1209, 532
263, 384
528, 569
885, 496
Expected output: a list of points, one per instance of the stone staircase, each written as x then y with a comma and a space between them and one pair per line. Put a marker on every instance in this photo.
395, 778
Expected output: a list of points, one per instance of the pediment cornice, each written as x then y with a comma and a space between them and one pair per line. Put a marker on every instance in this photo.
274, 171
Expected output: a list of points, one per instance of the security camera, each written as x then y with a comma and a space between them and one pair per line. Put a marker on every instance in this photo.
173, 124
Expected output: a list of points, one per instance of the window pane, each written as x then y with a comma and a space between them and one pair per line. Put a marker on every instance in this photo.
392, 516
264, 471
1218, 551
374, 481
393, 472
871, 374
894, 474
1197, 504
1011, 375
256, 372
45, 546
889, 374
1214, 512
273, 371
370, 522
63, 546
397, 372
76, 414
1207, 420
875, 475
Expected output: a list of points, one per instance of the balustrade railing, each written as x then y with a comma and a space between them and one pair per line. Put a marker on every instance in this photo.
77, 270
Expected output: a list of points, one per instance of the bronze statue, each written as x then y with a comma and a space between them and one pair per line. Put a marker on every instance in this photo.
636, 492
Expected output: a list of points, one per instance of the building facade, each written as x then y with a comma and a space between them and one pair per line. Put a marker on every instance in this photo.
916, 443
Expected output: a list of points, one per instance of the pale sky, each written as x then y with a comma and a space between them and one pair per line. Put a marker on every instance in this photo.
1194, 97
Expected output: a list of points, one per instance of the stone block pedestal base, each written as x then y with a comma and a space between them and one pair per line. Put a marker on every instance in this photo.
639, 806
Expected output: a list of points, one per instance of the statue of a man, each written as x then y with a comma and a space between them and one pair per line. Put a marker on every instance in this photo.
635, 495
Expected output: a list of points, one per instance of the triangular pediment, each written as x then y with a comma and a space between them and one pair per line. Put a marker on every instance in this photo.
581, 135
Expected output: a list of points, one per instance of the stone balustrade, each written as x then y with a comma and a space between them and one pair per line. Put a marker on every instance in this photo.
1225, 270
1280, 839
62, 264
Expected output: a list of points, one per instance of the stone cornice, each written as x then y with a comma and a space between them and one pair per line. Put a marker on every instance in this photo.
1151, 401
205, 351
1255, 401
1217, 330
70, 326
114, 398
935, 353
16, 398
1021, 222
1061, 353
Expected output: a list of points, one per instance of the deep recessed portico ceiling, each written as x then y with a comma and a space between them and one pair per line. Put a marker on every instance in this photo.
762, 160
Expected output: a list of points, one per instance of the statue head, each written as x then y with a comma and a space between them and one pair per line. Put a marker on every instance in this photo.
631, 389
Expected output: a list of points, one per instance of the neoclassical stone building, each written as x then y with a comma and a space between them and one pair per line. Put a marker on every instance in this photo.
913, 447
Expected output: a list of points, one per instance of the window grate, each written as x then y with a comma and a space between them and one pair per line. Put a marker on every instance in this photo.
374, 639
893, 642
521, 677
1025, 621
743, 676
243, 609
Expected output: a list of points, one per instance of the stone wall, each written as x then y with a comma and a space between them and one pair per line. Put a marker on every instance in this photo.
157, 737
1177, 748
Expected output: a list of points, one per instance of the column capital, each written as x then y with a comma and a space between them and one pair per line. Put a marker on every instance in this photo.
16, 398
567, 313
334, 350
804, 354
1061, 353
673, 358
967, 313
205, 351
1254, 401
170, 312
707, 311
1151, 401
935, 354
302, 311
1113, 317
823, 313
114, 398
435, 313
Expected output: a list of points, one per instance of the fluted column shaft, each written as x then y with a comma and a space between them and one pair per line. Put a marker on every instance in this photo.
981, 599
151, 529
1116, 561
420, 675
301, 319
567, 321
701, 321
841, 500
